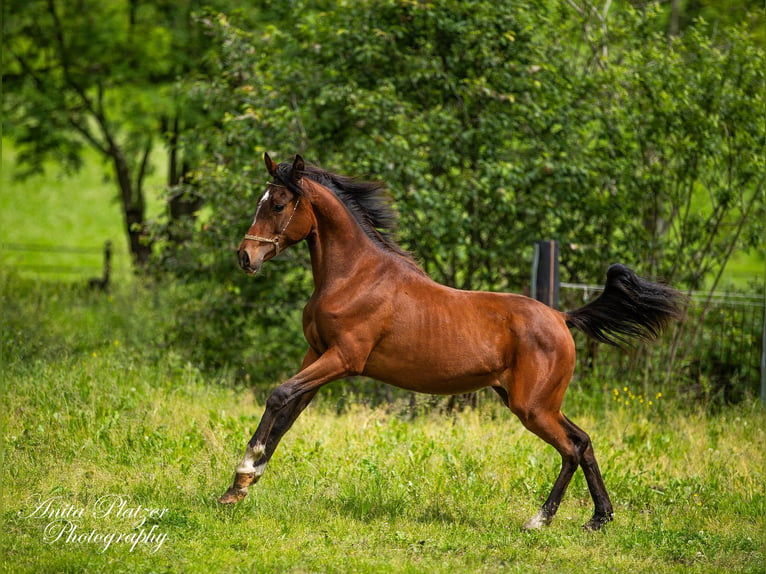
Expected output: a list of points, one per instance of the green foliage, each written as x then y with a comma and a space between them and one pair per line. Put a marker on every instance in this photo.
100, 75
493, 125
683, 138
80, 74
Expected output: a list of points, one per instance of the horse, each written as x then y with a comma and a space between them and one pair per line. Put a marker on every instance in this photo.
374, 312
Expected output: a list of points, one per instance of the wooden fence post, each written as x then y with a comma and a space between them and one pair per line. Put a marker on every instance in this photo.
545, 273
102, 284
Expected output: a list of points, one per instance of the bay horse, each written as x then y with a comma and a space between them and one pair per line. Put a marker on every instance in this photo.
374, 312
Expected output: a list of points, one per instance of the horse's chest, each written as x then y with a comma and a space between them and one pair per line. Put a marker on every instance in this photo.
313, 336
320, 326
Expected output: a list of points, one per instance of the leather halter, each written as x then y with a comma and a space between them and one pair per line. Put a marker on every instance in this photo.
275, 240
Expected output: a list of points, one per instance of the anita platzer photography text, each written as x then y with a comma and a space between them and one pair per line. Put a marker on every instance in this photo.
111, 520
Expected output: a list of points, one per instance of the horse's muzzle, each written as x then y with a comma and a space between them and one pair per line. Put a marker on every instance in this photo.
246, 264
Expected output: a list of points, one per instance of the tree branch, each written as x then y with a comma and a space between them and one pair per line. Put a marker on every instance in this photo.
86, 133
97, 112
142, 171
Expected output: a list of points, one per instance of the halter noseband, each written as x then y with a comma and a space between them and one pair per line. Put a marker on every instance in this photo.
275, 240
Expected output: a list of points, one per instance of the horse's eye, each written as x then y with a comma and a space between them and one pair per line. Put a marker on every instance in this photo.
278, 207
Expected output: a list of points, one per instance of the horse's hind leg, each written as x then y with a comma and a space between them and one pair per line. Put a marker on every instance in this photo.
576, 449
603, 511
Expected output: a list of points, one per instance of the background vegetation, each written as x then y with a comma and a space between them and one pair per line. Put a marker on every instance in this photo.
628, 131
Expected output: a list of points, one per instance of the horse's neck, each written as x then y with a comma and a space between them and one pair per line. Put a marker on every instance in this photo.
340, 245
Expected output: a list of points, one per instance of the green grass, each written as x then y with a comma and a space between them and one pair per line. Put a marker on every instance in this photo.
95, 406
71, 210
744, 270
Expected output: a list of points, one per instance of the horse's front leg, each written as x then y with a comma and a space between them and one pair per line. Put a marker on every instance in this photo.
283, 406
274, 424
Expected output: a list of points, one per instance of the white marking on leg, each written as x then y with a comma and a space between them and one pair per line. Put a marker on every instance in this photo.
252, 455
538, 521
258, 470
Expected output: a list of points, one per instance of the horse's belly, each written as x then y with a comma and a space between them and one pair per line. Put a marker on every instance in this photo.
432, 383
437, 367
461, 341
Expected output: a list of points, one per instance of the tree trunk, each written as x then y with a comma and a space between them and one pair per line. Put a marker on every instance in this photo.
675, 14
133, 208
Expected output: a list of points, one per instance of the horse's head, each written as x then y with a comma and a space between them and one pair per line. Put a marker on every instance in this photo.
281, 219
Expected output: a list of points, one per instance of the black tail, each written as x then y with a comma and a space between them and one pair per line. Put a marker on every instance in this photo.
628, 307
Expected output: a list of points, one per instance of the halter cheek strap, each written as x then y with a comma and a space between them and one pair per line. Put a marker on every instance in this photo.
275, 240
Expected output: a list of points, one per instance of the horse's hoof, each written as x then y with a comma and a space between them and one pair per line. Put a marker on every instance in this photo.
233, 495
238, 490
595, 523
538, 521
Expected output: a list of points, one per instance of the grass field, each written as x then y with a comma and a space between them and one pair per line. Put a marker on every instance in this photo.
94, 417
57, 209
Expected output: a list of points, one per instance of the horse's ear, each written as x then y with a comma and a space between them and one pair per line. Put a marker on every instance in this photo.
298, 166
270, 165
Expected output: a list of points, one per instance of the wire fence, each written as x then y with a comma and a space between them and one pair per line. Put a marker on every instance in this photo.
715, 353
72, 262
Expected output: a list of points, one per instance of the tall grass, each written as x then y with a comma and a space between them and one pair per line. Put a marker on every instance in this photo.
95, 405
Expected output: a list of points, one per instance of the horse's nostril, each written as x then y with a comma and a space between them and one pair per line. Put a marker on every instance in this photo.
244, 259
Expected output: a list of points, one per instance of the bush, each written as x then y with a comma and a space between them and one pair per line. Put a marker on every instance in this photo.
494, 125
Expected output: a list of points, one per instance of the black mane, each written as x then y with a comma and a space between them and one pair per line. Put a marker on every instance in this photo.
368, 202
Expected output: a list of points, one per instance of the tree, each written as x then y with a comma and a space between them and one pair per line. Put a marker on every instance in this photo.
102, 74
494, 125
681, 144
